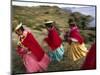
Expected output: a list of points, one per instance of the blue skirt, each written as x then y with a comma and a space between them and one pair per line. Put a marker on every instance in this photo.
57, 54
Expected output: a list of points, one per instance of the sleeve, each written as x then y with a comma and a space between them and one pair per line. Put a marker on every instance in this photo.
20, 51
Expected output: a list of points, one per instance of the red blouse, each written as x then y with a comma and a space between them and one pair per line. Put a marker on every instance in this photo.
32, 45
53, 39
74, 33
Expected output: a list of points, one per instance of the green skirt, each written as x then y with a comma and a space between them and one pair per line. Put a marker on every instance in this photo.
57, 54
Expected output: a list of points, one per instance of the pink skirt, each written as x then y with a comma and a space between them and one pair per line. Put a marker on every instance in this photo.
33, 65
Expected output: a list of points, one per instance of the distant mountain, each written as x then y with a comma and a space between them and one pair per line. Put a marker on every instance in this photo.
90, 10
93, 23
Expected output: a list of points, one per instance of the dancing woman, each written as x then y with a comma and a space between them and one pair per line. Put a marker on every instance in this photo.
54, 42
90, 61
33, 56
77, 47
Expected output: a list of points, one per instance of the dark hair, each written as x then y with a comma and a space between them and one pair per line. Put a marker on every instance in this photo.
49, 25
72, 25
71, 21
22, 28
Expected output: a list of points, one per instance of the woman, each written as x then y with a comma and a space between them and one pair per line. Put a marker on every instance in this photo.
33, 56
90, 61
77, 47
54, 42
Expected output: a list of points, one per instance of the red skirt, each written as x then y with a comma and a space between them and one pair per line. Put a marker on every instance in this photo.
34, 66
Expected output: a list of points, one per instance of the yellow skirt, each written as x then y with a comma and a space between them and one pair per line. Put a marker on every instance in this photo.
77, 50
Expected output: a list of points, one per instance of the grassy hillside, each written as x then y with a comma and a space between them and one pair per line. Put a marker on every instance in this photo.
34, 18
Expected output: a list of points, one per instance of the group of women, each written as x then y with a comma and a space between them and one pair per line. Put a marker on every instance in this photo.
35, 59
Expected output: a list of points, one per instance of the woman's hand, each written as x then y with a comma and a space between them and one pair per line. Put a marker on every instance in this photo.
28, 52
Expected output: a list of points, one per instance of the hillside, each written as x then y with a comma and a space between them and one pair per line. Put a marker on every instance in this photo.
33, 18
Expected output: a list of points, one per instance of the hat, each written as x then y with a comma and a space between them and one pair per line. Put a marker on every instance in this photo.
49, 22
18, 26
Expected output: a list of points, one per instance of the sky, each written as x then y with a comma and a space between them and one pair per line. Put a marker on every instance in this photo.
85, 10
